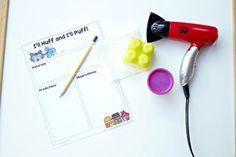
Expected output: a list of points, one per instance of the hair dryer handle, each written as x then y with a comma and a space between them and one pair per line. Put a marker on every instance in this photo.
188, 65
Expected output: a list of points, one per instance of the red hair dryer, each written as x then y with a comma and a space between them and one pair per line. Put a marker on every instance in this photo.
198, 36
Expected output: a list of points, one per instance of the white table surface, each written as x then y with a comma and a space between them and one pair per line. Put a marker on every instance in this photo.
159, 128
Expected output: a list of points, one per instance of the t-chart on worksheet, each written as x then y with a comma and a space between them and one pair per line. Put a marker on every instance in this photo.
91, 104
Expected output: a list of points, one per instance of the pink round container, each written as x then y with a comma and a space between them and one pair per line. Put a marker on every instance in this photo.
160, 81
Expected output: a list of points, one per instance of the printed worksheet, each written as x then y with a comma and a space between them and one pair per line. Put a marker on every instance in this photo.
91, 104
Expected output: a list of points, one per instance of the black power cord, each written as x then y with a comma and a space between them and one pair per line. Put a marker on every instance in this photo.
187, 96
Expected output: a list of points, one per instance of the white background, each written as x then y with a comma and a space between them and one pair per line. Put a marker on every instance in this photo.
158, 129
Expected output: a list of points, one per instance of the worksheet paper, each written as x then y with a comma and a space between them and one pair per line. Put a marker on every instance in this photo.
51, 62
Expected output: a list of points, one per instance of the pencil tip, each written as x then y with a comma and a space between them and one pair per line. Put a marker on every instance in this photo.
60, 95
95, 38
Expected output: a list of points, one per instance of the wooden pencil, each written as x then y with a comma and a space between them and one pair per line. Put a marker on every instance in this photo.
3, 28
78, 67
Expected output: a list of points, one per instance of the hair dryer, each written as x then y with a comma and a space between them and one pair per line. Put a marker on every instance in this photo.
198, 36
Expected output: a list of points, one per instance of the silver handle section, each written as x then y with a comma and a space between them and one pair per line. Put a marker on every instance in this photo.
188, 65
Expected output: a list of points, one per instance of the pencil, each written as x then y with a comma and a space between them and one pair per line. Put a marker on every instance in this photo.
78, 67
3, 28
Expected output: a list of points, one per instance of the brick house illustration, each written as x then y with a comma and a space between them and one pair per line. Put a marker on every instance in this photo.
125, 116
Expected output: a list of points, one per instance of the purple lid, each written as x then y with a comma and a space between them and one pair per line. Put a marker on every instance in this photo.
160, 81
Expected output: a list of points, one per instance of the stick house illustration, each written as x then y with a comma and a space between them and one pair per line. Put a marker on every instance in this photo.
116, 118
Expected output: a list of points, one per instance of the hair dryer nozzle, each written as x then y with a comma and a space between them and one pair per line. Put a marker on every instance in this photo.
157, 28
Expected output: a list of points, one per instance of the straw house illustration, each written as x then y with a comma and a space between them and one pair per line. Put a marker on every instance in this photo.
108, 121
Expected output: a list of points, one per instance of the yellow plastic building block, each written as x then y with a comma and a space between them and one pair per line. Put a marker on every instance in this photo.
139, 54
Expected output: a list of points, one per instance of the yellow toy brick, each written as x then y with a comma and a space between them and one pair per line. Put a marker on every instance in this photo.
139, 54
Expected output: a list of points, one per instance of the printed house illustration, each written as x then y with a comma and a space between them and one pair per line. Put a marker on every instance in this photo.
124, 115
108, 121
116, 118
